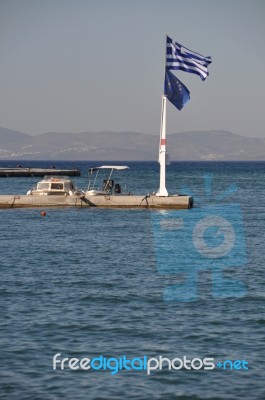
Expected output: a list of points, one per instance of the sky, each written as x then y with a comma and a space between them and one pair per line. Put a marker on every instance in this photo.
89, 66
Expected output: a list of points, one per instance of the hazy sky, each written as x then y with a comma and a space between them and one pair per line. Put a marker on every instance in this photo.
93, 65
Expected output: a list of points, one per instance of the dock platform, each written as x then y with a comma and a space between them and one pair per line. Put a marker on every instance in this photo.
112, 201
29, 172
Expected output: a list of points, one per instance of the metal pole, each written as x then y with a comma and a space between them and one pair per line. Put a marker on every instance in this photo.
162, 192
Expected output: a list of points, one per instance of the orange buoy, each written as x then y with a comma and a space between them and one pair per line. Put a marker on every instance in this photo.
43, 213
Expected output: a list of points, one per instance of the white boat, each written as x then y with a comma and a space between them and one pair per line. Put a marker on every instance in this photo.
55, 185
102, 182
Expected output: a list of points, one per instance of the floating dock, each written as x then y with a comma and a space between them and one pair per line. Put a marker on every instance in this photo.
29, 172
112, 201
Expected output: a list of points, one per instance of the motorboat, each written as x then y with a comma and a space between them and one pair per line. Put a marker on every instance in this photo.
102, 182
55, 185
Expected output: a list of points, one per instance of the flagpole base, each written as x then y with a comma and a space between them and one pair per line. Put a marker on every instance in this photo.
162, 193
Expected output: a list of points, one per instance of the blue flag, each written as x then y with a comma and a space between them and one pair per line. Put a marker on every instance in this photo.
176, 92
179, 57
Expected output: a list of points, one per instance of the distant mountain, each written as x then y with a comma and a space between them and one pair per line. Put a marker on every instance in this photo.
215, 145
8, 138
128, 146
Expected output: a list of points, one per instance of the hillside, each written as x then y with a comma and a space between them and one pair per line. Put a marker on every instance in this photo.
128, 146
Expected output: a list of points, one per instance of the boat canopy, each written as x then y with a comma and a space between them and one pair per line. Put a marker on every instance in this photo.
113, 167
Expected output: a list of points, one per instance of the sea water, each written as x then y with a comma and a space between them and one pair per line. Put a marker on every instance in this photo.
88, 283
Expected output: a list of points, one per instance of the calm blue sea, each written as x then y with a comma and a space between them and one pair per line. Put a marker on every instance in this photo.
87, 283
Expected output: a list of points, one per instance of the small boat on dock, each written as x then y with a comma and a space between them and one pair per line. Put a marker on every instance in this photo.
55, 186
100, 184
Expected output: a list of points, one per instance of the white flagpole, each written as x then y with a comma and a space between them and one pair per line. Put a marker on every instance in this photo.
162, 192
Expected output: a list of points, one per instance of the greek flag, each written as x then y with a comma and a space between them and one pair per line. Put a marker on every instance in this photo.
179, 57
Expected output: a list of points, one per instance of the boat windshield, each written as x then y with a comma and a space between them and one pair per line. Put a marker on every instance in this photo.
43, 186
57, 186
